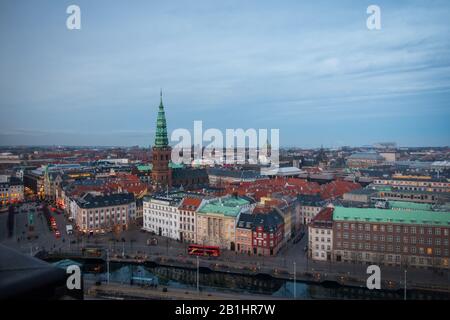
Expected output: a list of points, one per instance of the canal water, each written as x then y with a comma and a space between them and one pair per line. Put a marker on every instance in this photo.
223, 282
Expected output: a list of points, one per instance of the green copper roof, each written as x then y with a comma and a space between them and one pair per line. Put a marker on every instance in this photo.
174, 165
403, 205
161, 127
149, 167
382, 188
392, 216
228, 206
145, 167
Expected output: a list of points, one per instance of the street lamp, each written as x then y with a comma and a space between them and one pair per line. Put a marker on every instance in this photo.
198, 276
107, 265
404, 293
295, 286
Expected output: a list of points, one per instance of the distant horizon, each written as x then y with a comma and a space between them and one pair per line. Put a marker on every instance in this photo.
147, 147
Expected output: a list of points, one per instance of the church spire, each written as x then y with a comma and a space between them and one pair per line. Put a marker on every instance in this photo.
161, 139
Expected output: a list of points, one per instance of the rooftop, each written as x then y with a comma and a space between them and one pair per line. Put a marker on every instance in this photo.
372, 215
365, 156
98, 201
403, 205
228, 206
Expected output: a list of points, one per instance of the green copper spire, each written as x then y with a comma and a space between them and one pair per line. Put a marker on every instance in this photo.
161, 127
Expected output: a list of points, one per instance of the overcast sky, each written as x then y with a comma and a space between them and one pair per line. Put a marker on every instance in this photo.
310, 68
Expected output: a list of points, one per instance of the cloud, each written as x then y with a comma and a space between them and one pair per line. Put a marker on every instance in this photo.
228, 63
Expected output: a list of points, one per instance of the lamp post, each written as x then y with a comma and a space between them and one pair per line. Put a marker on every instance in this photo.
198, 276
107, 265
404, 291
295, 286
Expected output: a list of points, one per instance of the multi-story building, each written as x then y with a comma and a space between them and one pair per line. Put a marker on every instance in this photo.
222, 176
320, 235
188, 218
310, 206
267, 233
217, 219
414, 184
363, 196
286, 207
413, 195
244, 233
364, 159
391, 237
11, 190
104, 213
161, 216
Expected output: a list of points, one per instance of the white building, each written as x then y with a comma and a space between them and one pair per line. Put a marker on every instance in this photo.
188, 218
161, 216
104, 213
320, 234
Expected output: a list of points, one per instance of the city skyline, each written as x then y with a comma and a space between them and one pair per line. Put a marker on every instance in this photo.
314, 71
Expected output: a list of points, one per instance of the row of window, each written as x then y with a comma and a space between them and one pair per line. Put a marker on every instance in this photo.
160, 214
161, 221
162, 208
262, 243
390, 238
389, 228
102, 218
323, 239
114, 209
392, 258
390, 248
103, 225
322, 231
262, 235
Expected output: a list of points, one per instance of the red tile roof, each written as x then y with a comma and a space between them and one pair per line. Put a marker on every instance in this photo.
190, 203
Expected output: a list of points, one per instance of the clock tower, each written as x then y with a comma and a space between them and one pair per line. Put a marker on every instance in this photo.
161, 153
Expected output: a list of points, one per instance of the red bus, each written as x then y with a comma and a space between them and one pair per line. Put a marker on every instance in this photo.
199, 250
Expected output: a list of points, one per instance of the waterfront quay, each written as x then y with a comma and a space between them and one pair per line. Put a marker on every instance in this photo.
331, 276
122, 291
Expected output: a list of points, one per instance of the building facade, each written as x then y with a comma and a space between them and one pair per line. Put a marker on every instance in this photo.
217, 219
391, 237
244, 233
310, 206
11, 191
267, 233
104, 213
161, 216
320, 235
414, 184
188, 219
